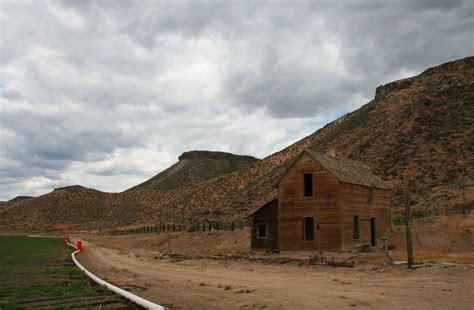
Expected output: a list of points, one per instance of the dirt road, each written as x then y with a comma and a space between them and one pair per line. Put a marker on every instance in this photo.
197, 284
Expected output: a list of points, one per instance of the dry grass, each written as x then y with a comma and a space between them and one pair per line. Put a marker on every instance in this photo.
435, 256
464, 221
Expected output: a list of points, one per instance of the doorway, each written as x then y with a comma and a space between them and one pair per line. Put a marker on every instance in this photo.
373, 231
308, 229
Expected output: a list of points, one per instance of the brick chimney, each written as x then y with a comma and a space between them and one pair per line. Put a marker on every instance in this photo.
332, 152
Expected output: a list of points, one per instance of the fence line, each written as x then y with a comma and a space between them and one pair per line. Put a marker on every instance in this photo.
181, 227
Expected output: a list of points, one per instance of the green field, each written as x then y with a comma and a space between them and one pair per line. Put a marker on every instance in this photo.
39, 273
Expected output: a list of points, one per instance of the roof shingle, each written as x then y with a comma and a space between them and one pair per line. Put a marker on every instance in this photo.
348, 170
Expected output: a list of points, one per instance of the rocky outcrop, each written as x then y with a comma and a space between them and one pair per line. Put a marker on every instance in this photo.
384, 90
460, 64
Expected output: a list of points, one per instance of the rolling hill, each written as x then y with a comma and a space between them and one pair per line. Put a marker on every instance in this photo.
419, 129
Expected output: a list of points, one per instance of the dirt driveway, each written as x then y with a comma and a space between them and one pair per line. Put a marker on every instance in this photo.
197, 284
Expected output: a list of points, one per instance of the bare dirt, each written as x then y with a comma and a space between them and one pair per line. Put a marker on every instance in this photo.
241, 284
286, 280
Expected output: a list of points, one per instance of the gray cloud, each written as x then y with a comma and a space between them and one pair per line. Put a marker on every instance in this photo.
106, 94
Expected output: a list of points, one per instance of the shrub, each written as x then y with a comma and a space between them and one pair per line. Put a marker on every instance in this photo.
192, 227
416, 214
399, 219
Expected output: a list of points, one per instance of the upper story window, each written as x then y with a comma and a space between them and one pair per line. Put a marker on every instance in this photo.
308, 184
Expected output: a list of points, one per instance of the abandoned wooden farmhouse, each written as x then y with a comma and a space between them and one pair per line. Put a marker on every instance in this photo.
324, 203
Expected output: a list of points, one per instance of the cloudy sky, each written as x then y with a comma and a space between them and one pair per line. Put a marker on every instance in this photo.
108, 93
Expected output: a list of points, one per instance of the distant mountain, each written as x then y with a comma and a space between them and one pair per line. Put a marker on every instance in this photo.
420, 129
75, 207
194, 167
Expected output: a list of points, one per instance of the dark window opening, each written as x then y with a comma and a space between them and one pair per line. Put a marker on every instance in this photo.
308, 229
308, 184
356, 224
262, 231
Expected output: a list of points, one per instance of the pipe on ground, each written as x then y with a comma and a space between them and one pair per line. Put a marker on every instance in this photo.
132, 297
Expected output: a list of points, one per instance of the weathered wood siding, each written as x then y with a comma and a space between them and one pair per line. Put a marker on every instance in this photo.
322, 206
354, 200
268, 214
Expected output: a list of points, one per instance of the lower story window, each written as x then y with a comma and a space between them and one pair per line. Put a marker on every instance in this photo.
308, 229
262, 231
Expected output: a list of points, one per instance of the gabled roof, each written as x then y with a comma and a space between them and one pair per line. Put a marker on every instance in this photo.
258, 207
346, 170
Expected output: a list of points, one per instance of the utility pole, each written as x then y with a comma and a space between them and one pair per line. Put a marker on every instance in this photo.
161, 220
408, 225
463, 194
182, 214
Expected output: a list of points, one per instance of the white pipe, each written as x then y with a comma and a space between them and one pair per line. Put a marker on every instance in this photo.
40, 236
136, 299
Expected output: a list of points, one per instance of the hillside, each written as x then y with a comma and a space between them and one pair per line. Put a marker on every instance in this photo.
19, 198
194, 167
420, 128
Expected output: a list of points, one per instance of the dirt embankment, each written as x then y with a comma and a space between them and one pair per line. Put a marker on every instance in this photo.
194, 244
438, 239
